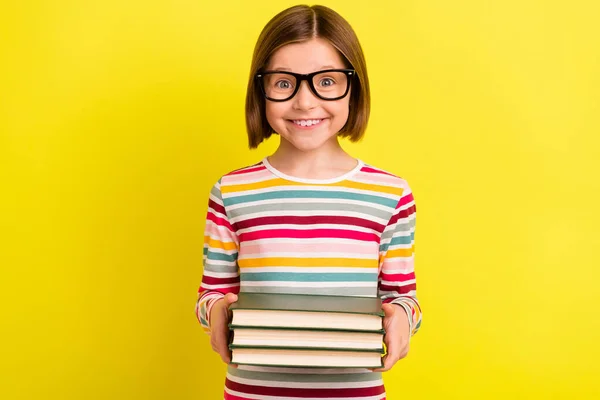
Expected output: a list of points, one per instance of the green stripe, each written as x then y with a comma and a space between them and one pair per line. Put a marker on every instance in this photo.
396, 240
309, 194
366, 209
221, 257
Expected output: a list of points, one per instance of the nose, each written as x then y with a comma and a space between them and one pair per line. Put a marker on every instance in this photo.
305, 99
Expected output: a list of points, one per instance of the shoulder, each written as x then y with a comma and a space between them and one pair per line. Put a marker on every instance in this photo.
393, 186
384, 180
245, 174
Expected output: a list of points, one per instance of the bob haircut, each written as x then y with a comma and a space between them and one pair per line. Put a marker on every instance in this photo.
298, 24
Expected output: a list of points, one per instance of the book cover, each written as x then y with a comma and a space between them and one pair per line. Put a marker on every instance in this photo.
336, 349
306, 358
300, 328
308, 303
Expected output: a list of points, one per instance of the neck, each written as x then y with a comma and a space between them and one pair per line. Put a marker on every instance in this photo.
328, 161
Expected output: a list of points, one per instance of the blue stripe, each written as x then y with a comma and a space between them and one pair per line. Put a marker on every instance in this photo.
308, 277
221, 257
310, 194
416, 328
396, 240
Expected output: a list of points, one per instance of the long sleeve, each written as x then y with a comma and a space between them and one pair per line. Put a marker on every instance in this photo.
221, 273
397, 281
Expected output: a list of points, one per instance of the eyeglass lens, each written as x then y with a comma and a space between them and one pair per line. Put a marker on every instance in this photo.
329, 85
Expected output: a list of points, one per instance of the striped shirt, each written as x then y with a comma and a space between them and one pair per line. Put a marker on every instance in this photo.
269, 232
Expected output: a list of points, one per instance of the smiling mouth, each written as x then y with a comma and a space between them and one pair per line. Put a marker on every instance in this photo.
306, 122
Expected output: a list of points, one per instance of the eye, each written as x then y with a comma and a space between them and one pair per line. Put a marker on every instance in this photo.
325, 82
283, 84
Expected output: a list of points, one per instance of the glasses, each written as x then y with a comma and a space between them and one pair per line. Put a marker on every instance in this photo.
330, 84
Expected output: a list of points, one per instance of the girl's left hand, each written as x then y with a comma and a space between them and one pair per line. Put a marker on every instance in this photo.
397, 335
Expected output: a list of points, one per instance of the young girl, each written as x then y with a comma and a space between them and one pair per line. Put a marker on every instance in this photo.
310, 218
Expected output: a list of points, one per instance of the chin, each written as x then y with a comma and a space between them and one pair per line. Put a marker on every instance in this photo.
307, 144
307, 148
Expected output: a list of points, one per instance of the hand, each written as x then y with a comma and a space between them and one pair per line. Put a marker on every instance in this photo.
219, 329
397, 335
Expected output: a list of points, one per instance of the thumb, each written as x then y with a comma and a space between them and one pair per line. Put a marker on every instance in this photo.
388, 309
230, 298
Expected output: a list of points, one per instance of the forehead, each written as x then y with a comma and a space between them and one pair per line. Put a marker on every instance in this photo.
306, 57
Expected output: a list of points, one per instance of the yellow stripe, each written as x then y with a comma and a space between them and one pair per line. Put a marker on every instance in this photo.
257, 185
282, 182
217, 244
415, 319
399, 253
306, 262
369, 186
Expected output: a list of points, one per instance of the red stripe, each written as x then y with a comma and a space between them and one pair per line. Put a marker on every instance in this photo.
402, 214
209, 280
219, 221
397, 277
309, 234
394, 219
400, 289
376, 171
404, 200
248, 170
321, 393
308, 220
216, 206
228, 396
205, 292
407, 212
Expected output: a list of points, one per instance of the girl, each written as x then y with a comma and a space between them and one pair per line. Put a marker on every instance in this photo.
310, 218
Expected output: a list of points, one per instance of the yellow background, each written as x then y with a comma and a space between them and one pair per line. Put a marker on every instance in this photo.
116, 117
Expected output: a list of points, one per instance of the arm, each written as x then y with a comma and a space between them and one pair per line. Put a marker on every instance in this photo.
221, 274
397, 282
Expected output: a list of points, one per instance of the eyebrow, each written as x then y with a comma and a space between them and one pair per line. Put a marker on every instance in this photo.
289, 69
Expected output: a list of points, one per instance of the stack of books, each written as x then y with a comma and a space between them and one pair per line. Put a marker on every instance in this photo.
294, 330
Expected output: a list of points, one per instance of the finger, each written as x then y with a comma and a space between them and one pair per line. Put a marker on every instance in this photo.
216, 344
224, 352
388, 362
388, 310
393, 355
404, 352
225, 357
230, 298
380, 369
219, 341
385, 365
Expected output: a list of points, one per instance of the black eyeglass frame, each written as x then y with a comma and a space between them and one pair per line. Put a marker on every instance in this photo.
309, 79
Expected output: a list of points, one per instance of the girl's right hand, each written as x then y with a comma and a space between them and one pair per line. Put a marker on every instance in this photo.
219, 329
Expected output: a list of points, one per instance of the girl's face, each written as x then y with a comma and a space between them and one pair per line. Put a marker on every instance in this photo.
285, 117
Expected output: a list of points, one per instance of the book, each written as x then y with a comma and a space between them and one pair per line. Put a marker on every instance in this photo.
293, 338
282, 357
309, 312
295, 330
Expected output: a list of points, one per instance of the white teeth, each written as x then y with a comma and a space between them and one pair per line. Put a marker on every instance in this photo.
304, 122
